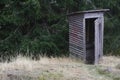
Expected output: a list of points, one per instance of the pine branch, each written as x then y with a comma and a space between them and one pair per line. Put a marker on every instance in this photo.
10, 35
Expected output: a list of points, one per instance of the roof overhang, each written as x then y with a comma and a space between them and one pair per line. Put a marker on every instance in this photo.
88, 11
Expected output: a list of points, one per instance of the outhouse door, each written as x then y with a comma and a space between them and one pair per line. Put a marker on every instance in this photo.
98, 40
93, 40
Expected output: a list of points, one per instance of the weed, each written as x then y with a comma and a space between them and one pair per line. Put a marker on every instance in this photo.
50, 76
116, 78
118, 66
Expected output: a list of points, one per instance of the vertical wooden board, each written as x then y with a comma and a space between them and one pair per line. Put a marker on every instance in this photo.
96, 41
100, 37
84, 39
102, 33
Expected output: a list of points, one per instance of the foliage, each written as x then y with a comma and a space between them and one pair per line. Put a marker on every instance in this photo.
32, 27
41, 27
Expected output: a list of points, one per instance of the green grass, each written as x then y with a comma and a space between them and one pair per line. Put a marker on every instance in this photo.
50, 76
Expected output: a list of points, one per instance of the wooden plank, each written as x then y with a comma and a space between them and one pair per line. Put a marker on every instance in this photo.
86, 12
79, 27
77, 43
102, 34
76, 22
76, 30
76, 35
76, 56
97, 44
84, 40
93, 15
79, 47
76, 52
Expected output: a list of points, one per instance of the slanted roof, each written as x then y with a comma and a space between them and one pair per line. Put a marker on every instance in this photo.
88, 11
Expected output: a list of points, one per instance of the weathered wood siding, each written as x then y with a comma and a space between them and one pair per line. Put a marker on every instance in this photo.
76, 36
78, 45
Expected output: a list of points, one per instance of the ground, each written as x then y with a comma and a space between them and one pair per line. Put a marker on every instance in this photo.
23, 68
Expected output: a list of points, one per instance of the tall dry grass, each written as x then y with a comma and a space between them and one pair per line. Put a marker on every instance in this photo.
24, 68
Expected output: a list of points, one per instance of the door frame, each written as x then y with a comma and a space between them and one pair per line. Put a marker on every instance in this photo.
98, 38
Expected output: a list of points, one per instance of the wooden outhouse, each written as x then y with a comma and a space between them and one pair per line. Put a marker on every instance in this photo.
86, 30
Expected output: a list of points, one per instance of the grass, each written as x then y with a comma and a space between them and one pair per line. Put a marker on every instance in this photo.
118, 66
24, 68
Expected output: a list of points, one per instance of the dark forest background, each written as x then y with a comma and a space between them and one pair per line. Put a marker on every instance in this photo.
32, 27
